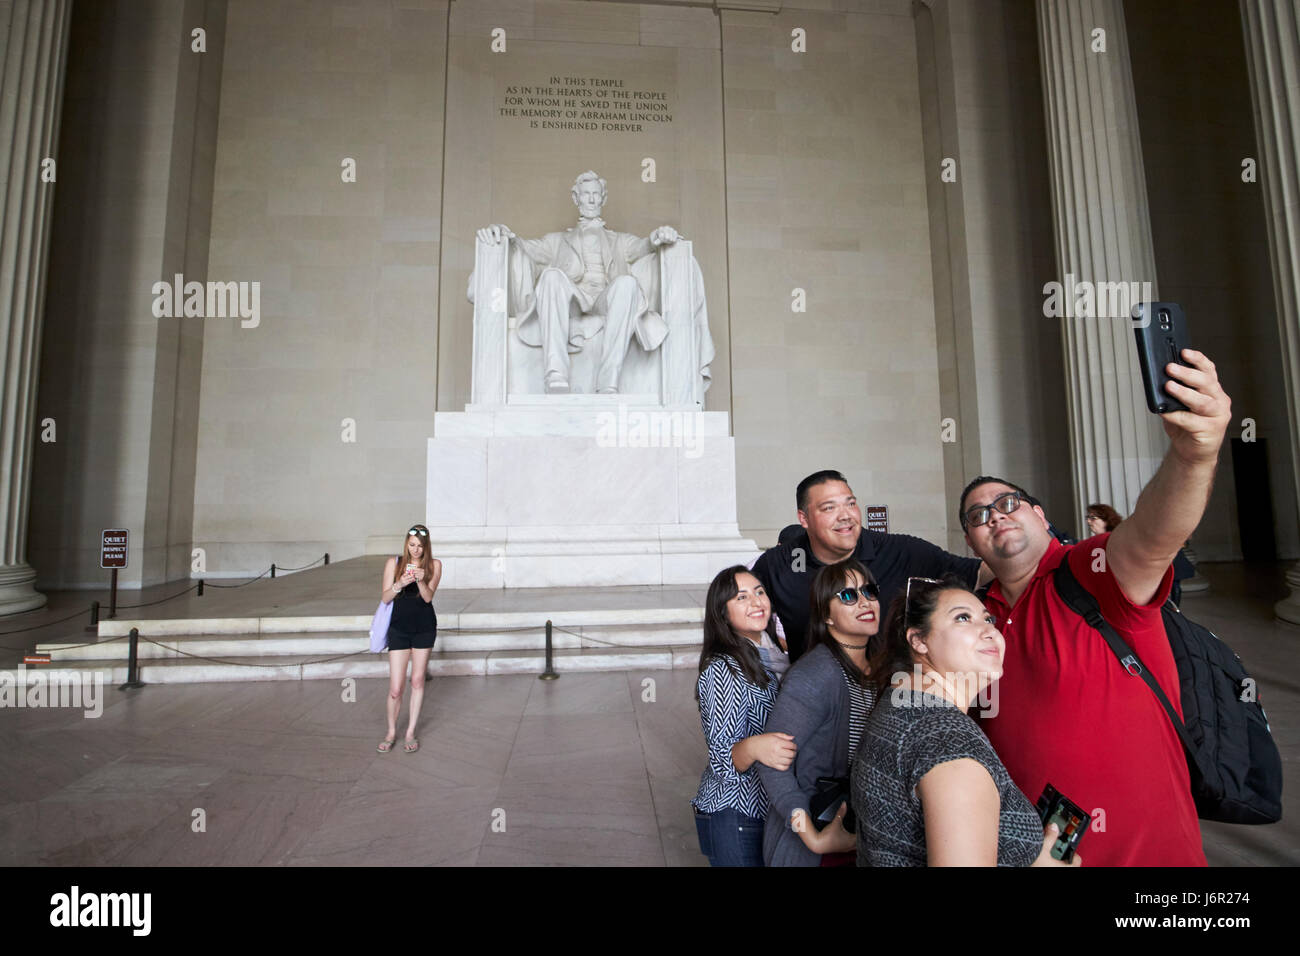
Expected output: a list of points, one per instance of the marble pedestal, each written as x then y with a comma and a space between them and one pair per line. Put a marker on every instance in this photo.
582, 491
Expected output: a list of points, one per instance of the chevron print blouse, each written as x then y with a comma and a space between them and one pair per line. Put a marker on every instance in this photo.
731, 709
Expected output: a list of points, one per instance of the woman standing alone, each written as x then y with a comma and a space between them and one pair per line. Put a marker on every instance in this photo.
409, 584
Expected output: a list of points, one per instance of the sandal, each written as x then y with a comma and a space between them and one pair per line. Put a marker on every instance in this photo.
386, 744
412, 745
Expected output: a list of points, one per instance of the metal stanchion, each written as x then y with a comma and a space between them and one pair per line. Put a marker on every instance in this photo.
94, 617
200, 587
132, 665
273, 570
549, 673
327, 558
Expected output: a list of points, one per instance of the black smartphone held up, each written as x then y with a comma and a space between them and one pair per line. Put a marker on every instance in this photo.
1071, 820
1161, 331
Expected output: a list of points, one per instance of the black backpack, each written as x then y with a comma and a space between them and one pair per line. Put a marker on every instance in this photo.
1235, 766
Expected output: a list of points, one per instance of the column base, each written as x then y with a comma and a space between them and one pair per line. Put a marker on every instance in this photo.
17, 593
1288, 609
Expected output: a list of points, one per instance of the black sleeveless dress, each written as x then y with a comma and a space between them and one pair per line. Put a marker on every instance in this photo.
414, 623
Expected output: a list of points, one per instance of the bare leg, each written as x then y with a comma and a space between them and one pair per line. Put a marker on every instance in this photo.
396, 681
419, 667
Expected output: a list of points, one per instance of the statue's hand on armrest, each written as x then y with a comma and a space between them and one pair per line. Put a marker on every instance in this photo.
664, 235
493, 235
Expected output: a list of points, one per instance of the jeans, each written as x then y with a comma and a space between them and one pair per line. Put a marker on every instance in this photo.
730, 838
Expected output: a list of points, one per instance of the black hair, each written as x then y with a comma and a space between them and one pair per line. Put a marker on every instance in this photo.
812, 481
830, 581
913, 609
987, 480
721, 639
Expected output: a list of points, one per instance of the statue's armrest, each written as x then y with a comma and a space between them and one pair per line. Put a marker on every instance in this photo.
488, 291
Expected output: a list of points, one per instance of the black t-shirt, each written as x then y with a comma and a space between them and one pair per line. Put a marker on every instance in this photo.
787, 573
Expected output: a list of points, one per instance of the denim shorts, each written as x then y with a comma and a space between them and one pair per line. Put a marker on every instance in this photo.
730, 838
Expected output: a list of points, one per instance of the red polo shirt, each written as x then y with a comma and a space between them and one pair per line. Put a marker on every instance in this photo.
1069, 714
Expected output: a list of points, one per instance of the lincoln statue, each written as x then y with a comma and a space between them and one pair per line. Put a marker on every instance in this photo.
567, 286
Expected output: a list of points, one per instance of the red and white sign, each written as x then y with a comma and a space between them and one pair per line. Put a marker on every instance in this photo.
113, 549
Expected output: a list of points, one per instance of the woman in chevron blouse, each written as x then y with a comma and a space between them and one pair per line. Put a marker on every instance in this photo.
741, 665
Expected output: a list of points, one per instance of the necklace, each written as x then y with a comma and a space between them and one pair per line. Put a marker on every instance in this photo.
852, 647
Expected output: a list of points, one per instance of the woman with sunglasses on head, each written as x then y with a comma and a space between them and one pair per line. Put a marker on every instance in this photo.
410, 582
823, 705
928, 787
741, 664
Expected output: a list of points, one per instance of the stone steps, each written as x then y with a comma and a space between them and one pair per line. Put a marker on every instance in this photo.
364, 664
184, 650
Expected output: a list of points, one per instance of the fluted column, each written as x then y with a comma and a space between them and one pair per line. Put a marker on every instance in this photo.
1103, 235
33, 46
1272, 35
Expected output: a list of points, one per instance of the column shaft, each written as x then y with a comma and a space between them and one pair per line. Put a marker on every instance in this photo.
33, 46
1272, 36
1103, 235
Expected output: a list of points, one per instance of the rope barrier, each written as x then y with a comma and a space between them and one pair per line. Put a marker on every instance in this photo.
126, 607
37, 627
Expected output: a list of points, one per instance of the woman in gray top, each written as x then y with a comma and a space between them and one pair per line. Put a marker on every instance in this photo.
928, 788
823, 704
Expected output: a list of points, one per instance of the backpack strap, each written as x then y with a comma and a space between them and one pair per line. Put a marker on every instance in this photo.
1085, 605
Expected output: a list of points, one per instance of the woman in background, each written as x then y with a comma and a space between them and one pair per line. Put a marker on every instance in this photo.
740, 666
823, 705
1102, 518
410, 582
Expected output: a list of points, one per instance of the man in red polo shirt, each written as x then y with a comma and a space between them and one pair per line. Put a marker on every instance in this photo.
1067, 712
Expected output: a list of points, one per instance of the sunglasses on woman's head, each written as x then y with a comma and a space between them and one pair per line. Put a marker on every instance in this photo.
420, 531
850, 595
907, 596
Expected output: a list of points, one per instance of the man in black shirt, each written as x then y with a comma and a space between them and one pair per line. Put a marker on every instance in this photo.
832, 531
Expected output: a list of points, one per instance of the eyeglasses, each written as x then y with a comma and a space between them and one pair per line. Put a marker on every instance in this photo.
850, 595
907, 596
420, 531
1004, 503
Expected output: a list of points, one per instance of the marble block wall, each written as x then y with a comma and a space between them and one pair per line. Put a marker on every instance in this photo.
133, 207
826, 193
313, 424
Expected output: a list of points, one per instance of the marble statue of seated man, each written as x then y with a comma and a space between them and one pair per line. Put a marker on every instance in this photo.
569, 285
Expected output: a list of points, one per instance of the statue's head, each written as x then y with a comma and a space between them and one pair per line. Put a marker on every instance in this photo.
589, 194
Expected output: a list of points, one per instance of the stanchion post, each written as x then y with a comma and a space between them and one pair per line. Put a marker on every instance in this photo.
549, 673
112, 597
200, 587
327, 559
132, 665
94, 617
273, 570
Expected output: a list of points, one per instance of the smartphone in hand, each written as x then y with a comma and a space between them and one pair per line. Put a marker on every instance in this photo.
1161, 332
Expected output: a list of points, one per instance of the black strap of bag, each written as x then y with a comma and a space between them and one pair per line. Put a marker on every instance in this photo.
1085, 605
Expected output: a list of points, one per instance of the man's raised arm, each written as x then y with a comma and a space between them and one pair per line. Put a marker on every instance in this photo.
1170, 506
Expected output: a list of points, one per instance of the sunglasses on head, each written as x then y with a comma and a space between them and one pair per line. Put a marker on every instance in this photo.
420, 531
1004, 503
907, 596
850, 595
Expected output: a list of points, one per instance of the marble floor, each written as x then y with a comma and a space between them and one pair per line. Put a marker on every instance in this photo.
592, 769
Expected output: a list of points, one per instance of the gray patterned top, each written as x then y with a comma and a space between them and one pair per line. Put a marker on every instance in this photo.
907, 735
